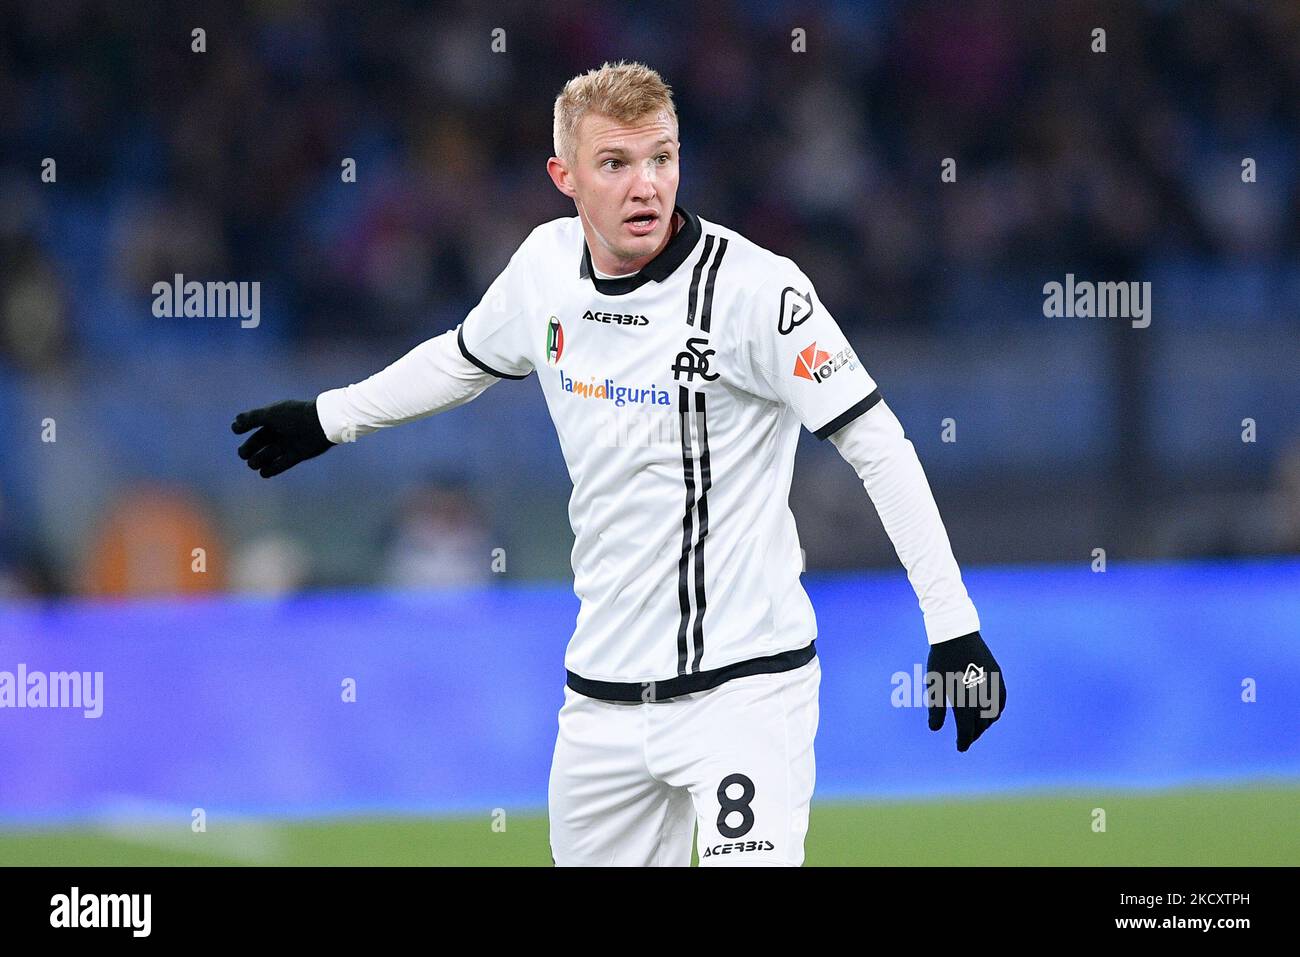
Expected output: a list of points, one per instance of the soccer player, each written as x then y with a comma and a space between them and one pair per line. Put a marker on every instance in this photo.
678, 360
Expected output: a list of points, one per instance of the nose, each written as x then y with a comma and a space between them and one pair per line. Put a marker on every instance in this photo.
645, 180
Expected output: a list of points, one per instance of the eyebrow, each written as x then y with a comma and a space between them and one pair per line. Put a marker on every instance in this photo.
622, 152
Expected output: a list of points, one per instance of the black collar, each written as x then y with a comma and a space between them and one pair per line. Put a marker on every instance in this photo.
658, 269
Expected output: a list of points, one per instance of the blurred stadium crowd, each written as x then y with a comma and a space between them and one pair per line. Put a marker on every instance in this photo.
1071, 434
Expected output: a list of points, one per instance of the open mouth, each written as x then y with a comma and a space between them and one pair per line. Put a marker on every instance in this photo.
642, 222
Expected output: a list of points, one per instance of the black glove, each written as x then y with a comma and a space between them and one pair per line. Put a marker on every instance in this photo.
289, 433
971, 674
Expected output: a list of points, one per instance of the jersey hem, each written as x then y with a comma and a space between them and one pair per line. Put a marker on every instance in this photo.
689, 684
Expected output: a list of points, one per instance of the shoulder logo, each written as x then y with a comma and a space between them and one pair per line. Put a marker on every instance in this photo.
796, 307
554, 340
808, 360
817, 365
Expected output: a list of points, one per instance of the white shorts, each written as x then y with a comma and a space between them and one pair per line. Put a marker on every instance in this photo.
630, 781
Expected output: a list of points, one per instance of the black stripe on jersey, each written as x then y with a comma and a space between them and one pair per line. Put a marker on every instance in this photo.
707, 310
847, 416
695, 523
695, 280
688, 529
689, 684
688, 476
702, 508
460, 341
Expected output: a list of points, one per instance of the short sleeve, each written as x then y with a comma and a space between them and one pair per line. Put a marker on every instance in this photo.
797, 354
495, 336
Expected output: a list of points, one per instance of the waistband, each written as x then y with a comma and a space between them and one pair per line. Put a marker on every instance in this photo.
689, 684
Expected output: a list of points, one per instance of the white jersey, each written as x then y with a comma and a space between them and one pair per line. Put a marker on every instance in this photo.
678, 394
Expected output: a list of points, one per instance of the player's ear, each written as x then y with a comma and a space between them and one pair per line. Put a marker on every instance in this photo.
559, 174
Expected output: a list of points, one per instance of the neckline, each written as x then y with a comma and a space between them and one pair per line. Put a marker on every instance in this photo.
658, 269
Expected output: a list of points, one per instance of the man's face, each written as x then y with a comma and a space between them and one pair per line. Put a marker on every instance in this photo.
624, 182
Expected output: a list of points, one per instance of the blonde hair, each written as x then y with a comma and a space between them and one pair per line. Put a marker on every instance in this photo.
624, 92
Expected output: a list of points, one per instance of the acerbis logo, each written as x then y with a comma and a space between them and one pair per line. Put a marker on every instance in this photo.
554, 340
817, 365
619, 318
973, 676
796, 307
739, 847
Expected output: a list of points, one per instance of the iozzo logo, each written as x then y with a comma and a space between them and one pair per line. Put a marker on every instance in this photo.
817, 365
554, 340
619, 318
796, 307
694, 360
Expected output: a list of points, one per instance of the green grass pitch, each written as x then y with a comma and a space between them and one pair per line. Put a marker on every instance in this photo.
1258, 825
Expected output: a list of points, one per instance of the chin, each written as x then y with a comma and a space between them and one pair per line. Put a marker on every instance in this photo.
638, 247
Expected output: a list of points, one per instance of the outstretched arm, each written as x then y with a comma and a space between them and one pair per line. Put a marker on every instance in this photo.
494, 342
433, 377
